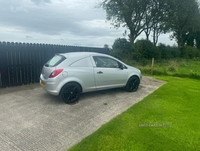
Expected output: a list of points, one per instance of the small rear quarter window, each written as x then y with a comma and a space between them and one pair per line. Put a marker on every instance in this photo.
84, 62
56, 60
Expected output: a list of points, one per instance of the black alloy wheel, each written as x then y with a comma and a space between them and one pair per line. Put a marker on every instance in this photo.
70, 93
132, 84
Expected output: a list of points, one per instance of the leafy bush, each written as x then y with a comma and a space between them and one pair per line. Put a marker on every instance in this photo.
120, 48
190, 52
172, 66
168, 52
145, 49
171, 69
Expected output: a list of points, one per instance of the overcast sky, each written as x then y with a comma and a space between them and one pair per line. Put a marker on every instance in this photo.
65, 22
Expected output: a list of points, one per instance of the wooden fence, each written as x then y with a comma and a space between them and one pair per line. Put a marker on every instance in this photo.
21, 63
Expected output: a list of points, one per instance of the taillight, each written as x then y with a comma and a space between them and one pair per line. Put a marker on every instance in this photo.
55, 73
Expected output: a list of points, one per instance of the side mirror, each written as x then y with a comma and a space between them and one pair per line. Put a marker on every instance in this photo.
121, 66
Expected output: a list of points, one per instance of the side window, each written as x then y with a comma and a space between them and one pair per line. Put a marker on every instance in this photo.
85, 62
105, 62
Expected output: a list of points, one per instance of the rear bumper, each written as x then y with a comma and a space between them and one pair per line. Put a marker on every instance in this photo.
49, 86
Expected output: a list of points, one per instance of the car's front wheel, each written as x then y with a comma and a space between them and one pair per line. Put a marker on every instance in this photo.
70, 93
132, 84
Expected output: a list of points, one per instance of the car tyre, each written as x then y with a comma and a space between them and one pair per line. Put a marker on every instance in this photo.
132, 84
70, 93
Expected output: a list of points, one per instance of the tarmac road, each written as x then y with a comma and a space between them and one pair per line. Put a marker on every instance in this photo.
32, 120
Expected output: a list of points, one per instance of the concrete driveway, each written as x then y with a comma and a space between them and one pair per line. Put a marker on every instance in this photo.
31, 119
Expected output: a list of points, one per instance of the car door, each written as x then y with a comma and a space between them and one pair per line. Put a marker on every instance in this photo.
108, 73
82, 71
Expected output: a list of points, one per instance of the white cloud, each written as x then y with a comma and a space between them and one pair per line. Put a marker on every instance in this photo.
67, 22
38, 2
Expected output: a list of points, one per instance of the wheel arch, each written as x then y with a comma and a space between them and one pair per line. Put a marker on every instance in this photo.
134, 75
71, 82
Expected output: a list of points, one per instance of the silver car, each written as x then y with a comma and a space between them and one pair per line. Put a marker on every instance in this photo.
68, 75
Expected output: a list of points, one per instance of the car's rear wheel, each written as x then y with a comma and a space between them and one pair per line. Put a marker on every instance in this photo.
132, 84
70, 93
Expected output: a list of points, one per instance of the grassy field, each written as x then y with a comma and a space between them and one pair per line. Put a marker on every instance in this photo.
174, 67
166, 120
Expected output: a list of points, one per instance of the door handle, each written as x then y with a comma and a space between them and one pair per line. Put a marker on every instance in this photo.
100, 72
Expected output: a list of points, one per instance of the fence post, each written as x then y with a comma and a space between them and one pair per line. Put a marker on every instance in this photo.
3, 65
152, 66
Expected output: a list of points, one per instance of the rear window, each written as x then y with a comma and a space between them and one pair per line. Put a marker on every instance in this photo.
56, 60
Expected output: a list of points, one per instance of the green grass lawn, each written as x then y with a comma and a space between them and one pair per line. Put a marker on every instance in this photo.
166, 120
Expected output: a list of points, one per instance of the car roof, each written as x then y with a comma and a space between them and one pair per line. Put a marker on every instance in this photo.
74, 56
82, 54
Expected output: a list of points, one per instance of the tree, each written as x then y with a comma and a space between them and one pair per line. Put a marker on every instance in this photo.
121, 43
183, 19
106, 46
127, 13
161, 8
149, 18
120, 48
197, 38
155, 17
